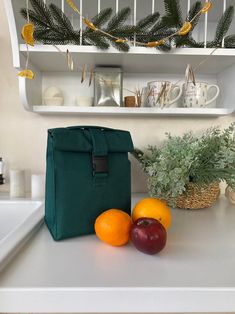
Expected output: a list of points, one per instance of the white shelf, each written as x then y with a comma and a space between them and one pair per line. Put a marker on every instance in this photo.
193, 274
122, 111
137, 60
146, 64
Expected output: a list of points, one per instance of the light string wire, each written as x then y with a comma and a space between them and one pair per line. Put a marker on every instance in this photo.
27, 46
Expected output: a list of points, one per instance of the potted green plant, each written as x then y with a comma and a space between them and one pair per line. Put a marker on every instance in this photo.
186, 170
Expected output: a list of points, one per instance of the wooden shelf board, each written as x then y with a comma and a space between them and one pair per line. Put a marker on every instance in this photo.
48, 58
122, 111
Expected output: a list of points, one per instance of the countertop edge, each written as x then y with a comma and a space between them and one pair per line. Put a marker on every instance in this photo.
118, 300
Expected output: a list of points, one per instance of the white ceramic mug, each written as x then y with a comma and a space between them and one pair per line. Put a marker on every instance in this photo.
154, 88
196, 96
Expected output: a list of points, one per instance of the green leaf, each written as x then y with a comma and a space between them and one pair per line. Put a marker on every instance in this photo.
189, 158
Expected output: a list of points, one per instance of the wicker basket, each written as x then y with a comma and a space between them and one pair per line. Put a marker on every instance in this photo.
197, 197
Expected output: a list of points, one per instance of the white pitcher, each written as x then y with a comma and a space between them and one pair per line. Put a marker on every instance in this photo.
154, 88
196, 96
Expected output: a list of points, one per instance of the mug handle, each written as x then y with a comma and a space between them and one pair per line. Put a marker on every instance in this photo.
216, 94
177, 97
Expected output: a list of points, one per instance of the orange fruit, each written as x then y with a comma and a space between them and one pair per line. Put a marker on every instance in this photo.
113, 227
153, 208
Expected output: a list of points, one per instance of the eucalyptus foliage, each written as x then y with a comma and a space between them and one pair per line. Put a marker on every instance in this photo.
189, 158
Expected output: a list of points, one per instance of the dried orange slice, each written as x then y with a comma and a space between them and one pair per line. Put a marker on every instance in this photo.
206, 7
89, 24
72, 5
152, 44
185, 29
27, 33
120, 40
26, 74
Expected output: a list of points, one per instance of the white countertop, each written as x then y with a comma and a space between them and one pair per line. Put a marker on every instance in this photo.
194, 273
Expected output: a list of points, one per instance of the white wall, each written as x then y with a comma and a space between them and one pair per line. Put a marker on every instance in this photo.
23, 134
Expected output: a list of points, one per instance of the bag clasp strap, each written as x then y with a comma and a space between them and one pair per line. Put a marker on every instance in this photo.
100, 164
99, 153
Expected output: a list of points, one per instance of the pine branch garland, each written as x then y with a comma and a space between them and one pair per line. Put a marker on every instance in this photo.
194, 10
229, 41
100, 19
52, 26
147, 22
221, 30
60, 18
173, 15
41, 9
98, 41
35, 19
118, 19
121, 46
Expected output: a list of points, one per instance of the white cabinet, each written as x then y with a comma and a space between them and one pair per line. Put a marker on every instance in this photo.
140, 64
193, 274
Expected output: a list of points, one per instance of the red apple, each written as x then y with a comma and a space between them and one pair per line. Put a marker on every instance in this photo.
148, 235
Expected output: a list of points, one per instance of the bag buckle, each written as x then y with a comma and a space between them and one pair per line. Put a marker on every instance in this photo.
100, 164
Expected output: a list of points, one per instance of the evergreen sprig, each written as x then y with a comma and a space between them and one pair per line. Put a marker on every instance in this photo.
224, 24
173, 15
194, 10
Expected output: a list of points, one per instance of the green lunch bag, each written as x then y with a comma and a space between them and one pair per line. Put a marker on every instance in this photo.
88, 172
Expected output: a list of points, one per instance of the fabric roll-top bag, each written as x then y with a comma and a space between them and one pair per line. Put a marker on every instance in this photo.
88, 172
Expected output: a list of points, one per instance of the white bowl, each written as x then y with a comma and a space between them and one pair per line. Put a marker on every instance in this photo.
52, 92
84, 101
53, 101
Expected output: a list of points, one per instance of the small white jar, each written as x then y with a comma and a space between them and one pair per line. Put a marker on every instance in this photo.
37, 186
17, 183
84, 101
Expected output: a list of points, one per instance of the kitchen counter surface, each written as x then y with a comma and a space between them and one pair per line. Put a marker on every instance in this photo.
194, 273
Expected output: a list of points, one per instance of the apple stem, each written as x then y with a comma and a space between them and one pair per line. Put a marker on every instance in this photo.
143, 223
